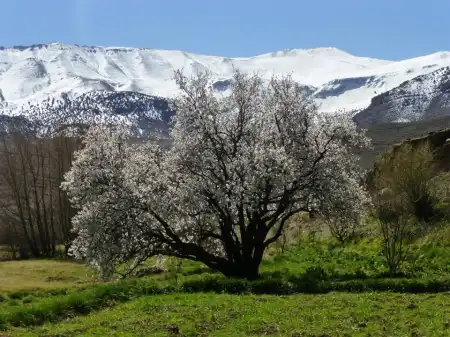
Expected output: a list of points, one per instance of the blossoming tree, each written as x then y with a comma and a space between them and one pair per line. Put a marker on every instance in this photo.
239, 167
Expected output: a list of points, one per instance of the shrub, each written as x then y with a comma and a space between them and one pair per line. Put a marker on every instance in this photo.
408, 171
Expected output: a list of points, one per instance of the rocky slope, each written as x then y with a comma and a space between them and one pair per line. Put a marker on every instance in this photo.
148, 115
421, 98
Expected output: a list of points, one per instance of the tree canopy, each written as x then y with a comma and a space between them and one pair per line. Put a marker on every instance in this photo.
240, 166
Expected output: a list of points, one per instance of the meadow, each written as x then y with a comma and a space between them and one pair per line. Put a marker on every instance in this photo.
315, 287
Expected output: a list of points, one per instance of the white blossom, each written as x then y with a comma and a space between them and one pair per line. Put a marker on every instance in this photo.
239, 167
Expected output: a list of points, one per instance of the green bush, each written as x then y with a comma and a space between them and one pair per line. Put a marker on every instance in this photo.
272, 286
217, 285
401, 285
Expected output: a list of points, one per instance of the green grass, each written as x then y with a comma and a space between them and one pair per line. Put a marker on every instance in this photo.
206, 314
360, 260
52, 306
52, 292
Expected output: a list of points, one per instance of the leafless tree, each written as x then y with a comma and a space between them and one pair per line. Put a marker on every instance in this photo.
35, 214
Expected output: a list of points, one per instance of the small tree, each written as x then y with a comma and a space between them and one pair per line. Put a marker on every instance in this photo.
404, 197
341, 216
396, 227
239, 168
343, 228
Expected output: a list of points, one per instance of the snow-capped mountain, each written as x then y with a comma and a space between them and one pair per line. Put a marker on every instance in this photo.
36, 72
55, 73
423, 97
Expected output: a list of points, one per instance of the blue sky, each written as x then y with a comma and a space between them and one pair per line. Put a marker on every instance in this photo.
390, 29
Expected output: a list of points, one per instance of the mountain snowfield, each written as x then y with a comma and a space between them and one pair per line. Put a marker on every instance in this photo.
337, 80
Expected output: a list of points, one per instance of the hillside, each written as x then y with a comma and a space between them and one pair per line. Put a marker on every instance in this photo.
62, 298
148, 115
386, 135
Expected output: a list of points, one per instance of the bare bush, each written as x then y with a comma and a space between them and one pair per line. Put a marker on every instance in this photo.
343, 229
396, 225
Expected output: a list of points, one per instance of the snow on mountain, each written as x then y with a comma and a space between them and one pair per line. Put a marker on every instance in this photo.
335, 79
148, 115
33, 73
356, 91
423, 97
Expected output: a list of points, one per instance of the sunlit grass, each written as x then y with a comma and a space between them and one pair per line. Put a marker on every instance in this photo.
42, 274
67, 294
334, 314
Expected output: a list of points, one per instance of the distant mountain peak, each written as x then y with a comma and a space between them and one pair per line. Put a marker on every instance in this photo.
309, 52
334, 78
66, 46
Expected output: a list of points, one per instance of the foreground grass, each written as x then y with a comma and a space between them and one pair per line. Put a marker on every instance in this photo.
207, 314
62, 291
42, 274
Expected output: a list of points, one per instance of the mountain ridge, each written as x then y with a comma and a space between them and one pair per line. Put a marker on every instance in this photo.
150, 70
334, 78
423, 97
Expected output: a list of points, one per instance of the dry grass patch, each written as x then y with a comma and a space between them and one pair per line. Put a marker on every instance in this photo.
42, 274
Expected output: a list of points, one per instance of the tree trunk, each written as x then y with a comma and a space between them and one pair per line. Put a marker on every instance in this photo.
245, 271
244, 268
248, 269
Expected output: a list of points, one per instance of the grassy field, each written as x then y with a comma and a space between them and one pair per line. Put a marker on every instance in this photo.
335, 314
62, 298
